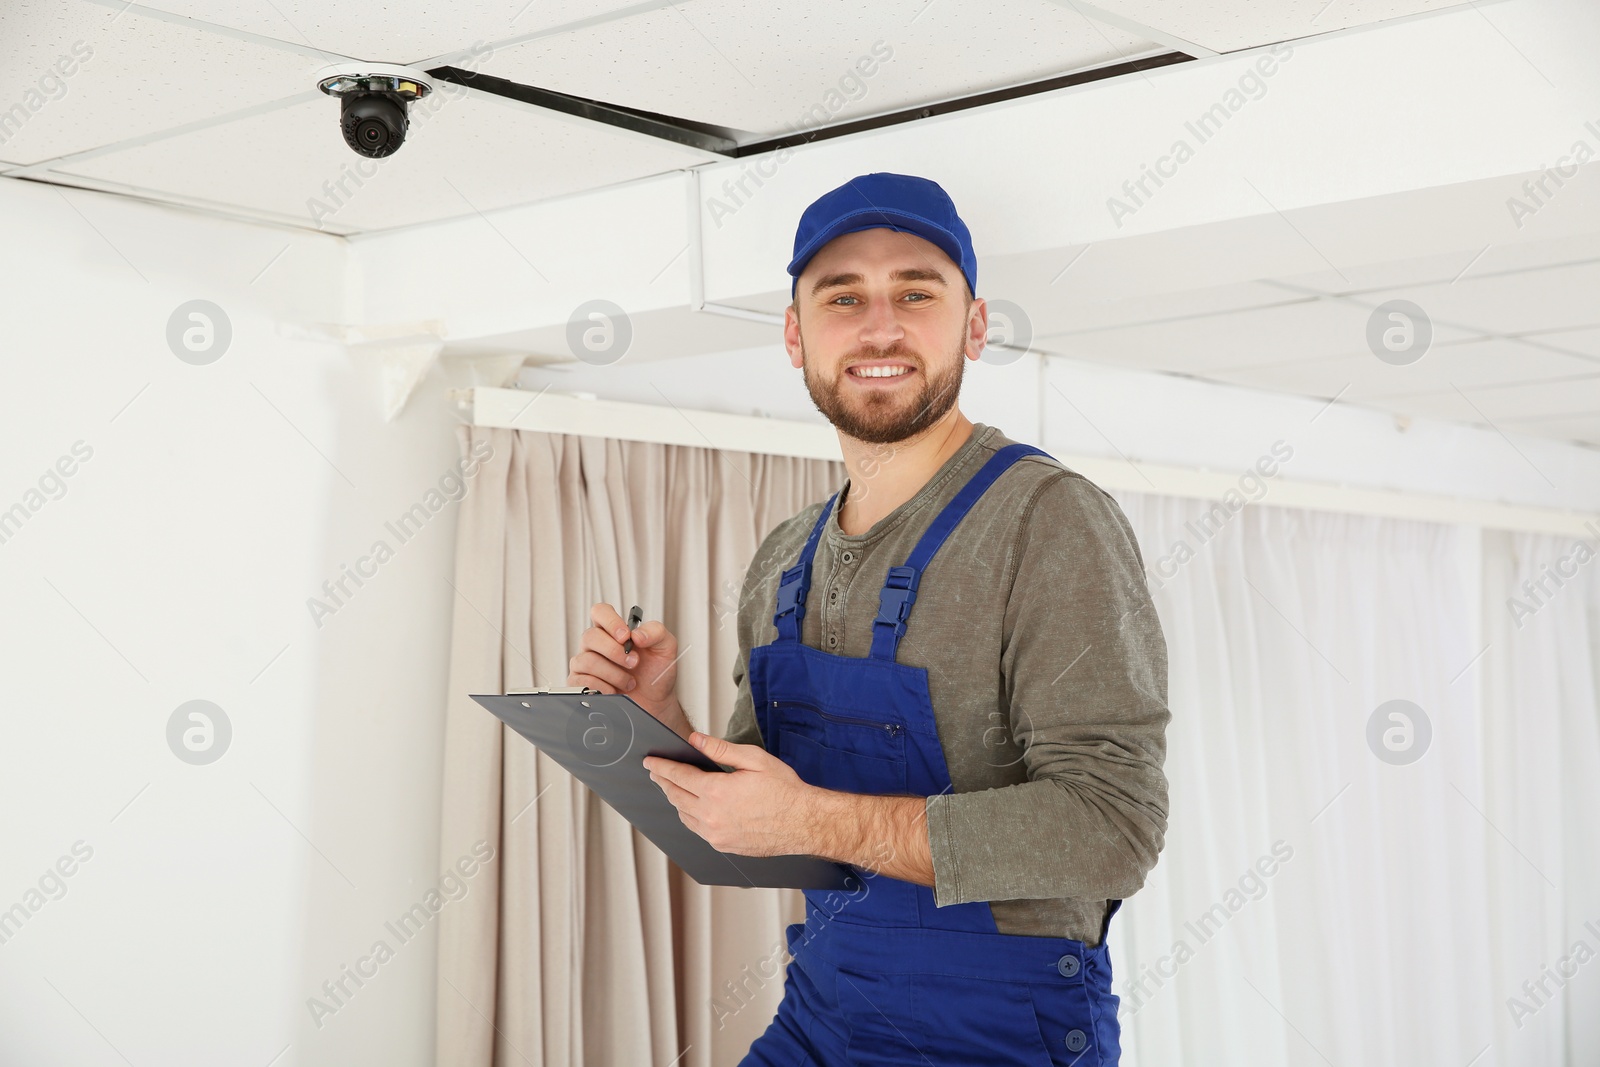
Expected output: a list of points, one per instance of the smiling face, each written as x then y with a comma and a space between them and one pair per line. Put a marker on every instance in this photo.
882, 325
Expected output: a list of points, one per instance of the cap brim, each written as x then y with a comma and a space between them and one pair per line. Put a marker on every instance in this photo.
872, 218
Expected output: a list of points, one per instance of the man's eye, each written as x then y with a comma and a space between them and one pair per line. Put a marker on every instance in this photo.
923, 298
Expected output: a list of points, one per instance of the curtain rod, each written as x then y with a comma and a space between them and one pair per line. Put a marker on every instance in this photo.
548, 411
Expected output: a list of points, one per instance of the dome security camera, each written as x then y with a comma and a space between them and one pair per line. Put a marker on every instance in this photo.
372, 103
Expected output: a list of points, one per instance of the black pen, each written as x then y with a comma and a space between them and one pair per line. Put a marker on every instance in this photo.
634, 616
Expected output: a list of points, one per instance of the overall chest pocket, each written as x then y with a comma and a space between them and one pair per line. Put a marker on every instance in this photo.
833, 750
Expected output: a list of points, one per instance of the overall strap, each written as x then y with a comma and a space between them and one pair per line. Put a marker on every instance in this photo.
900, 587
796, 582
1105, 926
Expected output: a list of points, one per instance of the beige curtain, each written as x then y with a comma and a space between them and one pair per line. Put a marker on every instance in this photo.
581, 944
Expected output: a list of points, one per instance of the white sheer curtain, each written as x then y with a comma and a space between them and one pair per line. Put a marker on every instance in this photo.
1316, 903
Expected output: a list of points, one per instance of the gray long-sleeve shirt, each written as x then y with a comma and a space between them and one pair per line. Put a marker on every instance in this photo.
1048, 672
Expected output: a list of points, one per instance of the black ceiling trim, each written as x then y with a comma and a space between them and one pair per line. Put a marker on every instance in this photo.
715, 139
963, 103
682, 131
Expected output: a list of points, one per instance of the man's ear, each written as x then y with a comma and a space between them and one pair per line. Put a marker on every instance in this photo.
791, 335
977, 328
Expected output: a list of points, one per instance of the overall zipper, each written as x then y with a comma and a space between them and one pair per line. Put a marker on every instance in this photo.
891, 728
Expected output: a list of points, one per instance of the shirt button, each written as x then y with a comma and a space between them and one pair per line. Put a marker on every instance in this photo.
847, 556
1067, 965
1076, 1041
834, 595
832, 640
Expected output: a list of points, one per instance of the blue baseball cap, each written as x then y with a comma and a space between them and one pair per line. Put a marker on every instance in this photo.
892, 201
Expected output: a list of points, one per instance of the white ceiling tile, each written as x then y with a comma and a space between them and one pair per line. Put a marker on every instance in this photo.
1585, 341
1110, 315
1521, 405
1308, 329
1326, 378
1052, 292
1541, 400
294, 163
1580, 429
1553, 298
1396, 274
1570, 248
1467, 263
401, 31
79, 75
765, 68
1226, 25
1583, 428
1470, 365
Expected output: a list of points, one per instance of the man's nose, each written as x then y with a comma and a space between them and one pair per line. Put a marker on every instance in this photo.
881, 326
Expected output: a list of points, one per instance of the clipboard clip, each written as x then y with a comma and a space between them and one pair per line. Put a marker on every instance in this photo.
563, 689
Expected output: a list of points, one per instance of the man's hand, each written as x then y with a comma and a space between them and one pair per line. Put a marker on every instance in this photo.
761, 808
648, 674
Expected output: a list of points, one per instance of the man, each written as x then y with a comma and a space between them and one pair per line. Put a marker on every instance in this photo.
990, 762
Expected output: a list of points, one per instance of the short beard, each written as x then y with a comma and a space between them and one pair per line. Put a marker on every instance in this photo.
881, 420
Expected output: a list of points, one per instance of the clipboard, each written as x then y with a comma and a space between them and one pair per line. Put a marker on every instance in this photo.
602, 739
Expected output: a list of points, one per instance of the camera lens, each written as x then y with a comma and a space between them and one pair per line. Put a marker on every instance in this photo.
373, 124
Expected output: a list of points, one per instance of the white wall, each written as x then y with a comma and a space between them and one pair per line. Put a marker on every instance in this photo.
175, 567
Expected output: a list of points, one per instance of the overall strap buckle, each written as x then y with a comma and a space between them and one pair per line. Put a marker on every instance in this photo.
796, 581
894, 607
792, 590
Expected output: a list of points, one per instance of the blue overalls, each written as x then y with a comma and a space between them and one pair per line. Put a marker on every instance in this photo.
881, 975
